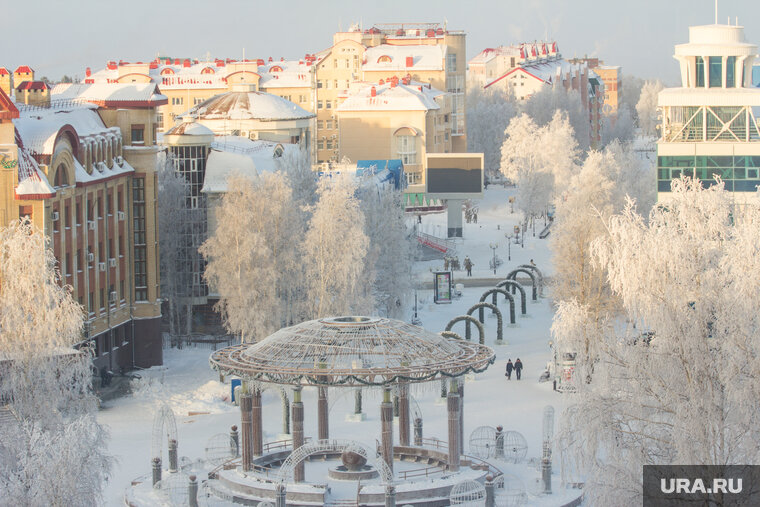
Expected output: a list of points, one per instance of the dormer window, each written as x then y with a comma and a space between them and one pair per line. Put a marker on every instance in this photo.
384, 59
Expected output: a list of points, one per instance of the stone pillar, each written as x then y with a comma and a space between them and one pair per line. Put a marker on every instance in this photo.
257, 424
299, 472
395, 405
499, 442
192, 492
490, 493
390, 496
285, 415
234, 441
173, 456
453, 412
461, 416
156, 462
418, 432
323, 428
280, 494
246, 402
358, 401
443, 388
403, 414
386, 419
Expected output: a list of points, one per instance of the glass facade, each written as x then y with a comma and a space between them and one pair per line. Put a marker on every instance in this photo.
731, 72
716, 71
140, 247
700, 72
739, 173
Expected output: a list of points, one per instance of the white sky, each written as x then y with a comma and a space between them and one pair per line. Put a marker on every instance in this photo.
57, 38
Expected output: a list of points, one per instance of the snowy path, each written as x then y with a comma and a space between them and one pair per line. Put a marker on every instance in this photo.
188, 385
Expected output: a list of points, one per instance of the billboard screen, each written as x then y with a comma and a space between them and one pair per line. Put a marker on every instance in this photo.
454, 175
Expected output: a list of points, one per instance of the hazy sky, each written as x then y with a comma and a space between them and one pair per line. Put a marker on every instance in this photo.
57, 38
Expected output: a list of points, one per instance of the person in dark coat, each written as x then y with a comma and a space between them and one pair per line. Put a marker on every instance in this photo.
518, 368
468, 266
510, 367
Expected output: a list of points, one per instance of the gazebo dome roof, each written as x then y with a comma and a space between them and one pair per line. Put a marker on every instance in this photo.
352, 351
242, 103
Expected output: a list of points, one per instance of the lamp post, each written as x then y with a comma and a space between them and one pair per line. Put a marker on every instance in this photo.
494, 246
508, 237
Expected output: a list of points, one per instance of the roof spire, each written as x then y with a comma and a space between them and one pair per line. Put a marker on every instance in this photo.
716, 12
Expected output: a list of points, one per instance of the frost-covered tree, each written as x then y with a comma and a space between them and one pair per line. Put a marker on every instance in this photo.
174, 217
488, 114
618, 128
681, 386
538, 160
334, 249
390, 252
53, 451
252, 256
542, 108
646, 107
631, 91
297, 166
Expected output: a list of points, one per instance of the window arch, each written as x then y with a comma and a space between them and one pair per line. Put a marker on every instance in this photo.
406, 146
61, 178
384, 59
208, 70
167, 71
275, 68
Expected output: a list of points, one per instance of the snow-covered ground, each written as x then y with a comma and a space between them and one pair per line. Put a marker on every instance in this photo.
189, 386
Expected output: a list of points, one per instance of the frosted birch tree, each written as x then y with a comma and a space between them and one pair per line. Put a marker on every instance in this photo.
618, 128
390, 253
251, 257
488, 115
334, 249
543, 106
646, 107
173, 220
682, 386
297, 166
53, 451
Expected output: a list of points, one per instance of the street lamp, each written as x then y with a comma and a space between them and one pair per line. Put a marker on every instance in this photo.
508, 237
494, 246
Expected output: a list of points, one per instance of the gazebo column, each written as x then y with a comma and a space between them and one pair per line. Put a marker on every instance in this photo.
453, 412
246, 402
461, 416
299, 472
386, 419
323, 425
403, 414
257, 425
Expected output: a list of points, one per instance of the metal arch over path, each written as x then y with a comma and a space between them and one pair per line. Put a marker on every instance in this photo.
513, 276
496, 311
513, 284
493, 293
540, 277
303, 452
468, 319
163, 418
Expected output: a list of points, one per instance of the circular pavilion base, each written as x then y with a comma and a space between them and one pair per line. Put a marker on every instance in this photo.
341, 473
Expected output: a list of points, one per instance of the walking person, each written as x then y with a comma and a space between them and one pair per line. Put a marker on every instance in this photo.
518, 368
468, 266
510, 367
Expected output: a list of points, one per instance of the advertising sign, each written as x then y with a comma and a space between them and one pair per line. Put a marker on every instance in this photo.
442, 287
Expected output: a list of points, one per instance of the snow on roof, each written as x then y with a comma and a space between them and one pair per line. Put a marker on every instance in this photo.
235, 154
489, 54
248, 105
287, 74
546, 71
39, 128
102, 172
412, 97
393, 58
105, 94
189, 128
32, 182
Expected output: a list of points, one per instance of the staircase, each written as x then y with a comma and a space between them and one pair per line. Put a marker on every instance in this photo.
442, 245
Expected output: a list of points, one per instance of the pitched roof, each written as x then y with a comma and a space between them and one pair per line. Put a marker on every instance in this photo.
4, 71
23, 68
424, 57
33, 85
111, 94
411, 97
8, 109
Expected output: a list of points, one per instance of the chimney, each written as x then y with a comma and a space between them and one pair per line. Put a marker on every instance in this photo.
373, 92
394, 81
88, 72
409, 61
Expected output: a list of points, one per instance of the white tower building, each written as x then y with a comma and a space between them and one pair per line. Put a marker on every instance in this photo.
710, 124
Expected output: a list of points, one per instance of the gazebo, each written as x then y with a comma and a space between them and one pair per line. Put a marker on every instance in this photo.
350, 352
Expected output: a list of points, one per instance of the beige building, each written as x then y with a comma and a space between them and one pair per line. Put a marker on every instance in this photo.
396, 120
84, 173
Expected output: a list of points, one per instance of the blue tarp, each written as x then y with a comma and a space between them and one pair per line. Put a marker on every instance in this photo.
394, 166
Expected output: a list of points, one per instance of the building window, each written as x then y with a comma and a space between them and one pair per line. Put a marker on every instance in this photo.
451, 62
329, 144
319, 83
91, 303
700, 66
319, 104
731, 72
138, 134
716, 71
160, 120
320, 124
328, 104
406, 148
320, 145
328, 124
140, 248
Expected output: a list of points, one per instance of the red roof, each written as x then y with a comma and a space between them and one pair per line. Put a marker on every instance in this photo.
23, 68
4, 71
8, 109
33, 85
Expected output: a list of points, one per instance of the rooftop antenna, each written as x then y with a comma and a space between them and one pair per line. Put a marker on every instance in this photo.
244, 54
716, 12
